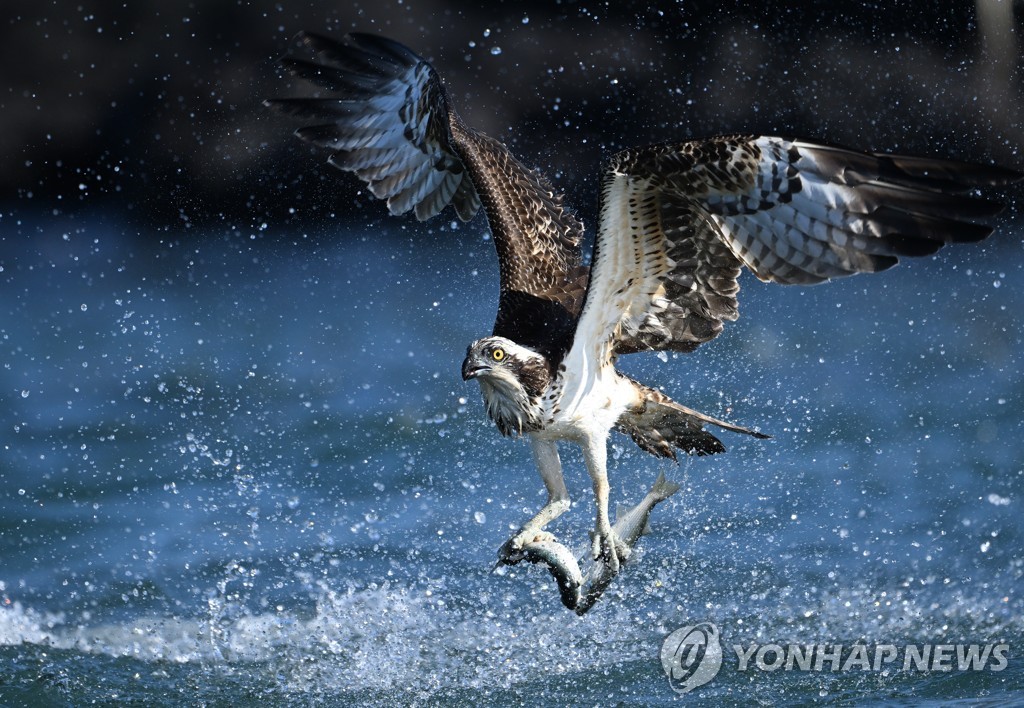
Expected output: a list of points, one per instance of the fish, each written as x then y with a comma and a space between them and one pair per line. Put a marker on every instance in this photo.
629, 526
563, 566
580, 591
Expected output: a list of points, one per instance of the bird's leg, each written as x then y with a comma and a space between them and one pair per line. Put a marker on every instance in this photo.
545, 455
605, 544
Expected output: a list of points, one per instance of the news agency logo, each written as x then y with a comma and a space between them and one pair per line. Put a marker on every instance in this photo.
691, 656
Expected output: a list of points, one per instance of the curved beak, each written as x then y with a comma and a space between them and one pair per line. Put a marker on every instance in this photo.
472, 367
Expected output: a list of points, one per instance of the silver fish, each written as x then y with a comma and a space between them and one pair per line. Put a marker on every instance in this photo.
629, 527
563, 566
579, 592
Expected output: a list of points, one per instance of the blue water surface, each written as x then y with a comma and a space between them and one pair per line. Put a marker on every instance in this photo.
243, 466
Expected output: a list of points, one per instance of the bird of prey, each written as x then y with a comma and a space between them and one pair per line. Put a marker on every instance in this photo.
678, 222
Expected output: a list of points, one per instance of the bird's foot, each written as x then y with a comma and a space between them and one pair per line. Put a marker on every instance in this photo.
511, 552
606, 546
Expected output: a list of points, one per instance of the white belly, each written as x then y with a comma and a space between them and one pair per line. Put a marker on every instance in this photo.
575, 414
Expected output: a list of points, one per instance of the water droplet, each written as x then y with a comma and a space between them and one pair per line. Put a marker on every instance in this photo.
495, 51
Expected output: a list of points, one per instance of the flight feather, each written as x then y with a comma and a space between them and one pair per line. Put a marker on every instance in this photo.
678, 223
388, 120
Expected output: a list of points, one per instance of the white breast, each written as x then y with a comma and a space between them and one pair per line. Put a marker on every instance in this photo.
587, 400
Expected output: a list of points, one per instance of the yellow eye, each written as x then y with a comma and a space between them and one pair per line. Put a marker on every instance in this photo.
498, 354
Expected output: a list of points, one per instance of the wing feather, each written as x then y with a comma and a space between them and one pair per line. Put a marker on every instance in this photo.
391, 124
678, 222
388, 122
442, 194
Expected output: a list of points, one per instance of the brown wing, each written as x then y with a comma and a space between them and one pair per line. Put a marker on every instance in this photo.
389, 121
678, 222
659, 426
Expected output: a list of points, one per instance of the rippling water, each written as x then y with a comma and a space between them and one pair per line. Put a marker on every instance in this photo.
244, 467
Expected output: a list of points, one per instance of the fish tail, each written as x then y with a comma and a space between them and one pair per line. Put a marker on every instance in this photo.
663, 488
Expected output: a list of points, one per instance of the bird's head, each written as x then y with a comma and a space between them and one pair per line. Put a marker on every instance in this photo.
512, 378
497, 359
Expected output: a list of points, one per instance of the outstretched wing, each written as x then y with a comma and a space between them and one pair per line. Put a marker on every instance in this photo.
386, 122
678, 222
389, 121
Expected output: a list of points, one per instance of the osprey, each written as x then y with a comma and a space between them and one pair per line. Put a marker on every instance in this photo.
678, 223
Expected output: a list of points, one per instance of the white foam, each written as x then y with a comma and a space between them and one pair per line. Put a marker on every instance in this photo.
415, 640
376, 638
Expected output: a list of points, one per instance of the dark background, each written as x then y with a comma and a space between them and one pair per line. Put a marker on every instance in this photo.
152, 110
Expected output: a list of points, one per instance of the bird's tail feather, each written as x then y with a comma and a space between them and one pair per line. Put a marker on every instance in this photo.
659, 426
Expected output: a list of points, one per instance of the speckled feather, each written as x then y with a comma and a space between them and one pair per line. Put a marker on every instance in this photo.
678, 222
538, 243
